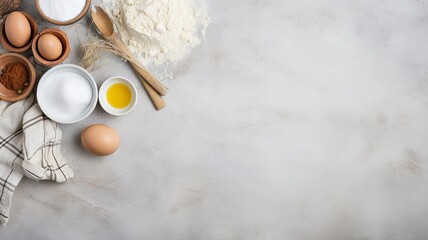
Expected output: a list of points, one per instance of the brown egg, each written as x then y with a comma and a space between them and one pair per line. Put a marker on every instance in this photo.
17, 29
49, 47
100, 139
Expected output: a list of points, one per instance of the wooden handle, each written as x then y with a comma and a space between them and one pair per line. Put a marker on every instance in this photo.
150, 79
157, 99
140, 70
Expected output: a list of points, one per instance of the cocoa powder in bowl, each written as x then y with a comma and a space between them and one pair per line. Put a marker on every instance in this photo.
14, 77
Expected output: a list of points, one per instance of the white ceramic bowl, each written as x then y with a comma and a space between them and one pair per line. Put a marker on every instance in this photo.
103, 96
52, 102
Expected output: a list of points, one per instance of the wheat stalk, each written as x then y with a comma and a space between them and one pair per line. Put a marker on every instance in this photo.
7, 6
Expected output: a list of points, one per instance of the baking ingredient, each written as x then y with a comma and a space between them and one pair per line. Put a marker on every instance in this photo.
119, 95
160, 32
17, 29
62, 10
92, 51
100, 139
67, 93
49, 46
14, 77
8, 6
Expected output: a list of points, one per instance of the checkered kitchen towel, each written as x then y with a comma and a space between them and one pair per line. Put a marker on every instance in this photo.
30, 146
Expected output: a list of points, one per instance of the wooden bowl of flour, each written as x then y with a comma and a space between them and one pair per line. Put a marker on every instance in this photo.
41, 6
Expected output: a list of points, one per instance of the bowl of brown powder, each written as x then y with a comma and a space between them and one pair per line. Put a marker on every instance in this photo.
17, 78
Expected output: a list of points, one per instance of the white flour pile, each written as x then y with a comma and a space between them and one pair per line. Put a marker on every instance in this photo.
160, 31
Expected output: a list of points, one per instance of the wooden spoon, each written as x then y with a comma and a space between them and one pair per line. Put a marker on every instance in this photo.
106, 29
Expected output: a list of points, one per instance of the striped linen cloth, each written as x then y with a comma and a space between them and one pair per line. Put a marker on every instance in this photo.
29, 146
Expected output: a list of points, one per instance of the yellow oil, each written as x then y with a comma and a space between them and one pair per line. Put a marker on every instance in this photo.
119, 95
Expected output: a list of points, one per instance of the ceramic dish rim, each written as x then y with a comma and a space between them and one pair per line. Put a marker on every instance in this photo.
103, 91
91, 81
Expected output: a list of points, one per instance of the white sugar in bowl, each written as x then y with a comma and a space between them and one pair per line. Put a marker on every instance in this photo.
67, 93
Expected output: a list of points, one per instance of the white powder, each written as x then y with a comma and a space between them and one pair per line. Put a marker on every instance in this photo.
68, 94
160, 31
62, 10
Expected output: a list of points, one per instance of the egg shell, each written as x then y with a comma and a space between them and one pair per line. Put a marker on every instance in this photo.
100, 139
49, 46
17, 29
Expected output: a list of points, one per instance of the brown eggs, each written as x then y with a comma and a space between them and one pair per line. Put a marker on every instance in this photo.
49, 46
100, 139
17, 29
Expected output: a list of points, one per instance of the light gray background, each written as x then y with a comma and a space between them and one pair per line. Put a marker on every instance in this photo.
295, 119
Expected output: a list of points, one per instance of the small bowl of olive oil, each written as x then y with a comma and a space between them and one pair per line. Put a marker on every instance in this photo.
118, 96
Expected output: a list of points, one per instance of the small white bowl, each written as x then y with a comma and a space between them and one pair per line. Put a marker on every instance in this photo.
56, 109
103, 96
